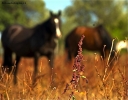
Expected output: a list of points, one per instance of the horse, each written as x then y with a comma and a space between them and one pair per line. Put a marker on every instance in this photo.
96, 39
31, 42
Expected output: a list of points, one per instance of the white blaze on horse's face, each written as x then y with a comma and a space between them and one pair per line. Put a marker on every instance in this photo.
58, 32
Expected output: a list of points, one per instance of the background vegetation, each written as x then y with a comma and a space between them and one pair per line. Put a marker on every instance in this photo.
111, 13
28, 14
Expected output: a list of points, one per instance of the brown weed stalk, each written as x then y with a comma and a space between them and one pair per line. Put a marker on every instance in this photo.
78, 69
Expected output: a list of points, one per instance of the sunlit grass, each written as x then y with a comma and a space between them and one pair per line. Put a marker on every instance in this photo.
103, 82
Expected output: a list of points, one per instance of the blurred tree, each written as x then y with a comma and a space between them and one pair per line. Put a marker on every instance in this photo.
110, 13
28, 14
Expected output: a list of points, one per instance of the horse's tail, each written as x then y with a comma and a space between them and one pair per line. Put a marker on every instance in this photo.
67, 39
7, 52
3, 36
67, 48
66, 43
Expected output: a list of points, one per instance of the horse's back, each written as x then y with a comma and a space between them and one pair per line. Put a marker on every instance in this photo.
87, 31
82, 30
16, 38
17, 33
91, 40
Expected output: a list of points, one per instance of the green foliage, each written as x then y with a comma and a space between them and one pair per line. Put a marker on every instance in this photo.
27, 14
110, 13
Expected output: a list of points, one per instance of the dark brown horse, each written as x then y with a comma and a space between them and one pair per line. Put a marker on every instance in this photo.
31, 42
95, 39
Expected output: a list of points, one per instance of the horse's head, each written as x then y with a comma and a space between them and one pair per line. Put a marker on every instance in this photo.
54, 24
107, 40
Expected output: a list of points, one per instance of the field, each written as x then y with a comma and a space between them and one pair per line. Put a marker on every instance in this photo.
97, 82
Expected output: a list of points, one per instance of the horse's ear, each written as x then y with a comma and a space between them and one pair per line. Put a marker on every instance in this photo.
59, 13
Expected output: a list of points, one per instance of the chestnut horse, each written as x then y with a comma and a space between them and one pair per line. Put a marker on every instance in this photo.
95, 39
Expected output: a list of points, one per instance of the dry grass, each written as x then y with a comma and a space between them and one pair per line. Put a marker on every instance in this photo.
104, 83
112, 85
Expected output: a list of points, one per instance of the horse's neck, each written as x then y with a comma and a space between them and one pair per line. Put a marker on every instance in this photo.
39, 32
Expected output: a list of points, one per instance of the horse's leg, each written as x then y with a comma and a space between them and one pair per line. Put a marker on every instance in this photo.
103, 54
7, 60
35, 67
76, 52
69, 55
16, 69
51, 63
51, 59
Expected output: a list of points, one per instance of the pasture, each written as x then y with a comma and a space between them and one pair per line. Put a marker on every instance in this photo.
48, 67
102, 84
